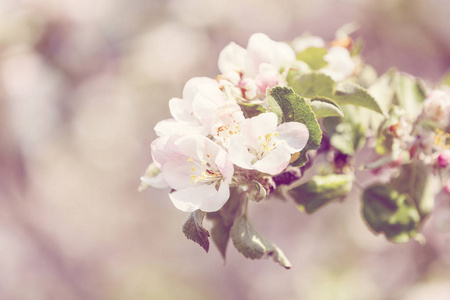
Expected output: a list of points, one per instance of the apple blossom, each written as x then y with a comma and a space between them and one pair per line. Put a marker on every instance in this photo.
197, 169
266, 147
261, 49
181, 109
302, 43
258, 66
184, 120
340, 64
437, 107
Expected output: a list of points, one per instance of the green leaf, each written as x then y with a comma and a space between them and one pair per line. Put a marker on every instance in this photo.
311, 85
383, 91
290, 107
385, 136
220, 232
325, 107
367, 76
348, 138
346, 134
347, 92
251, 109
252, 245
410, 94
416, 181
275, 107
193, 229
223, 221
389, 212
313, 57
320, 190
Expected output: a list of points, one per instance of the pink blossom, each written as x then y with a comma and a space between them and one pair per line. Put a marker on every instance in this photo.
258, 66
197, 169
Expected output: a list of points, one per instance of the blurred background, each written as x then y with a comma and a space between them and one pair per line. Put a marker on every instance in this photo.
82, 84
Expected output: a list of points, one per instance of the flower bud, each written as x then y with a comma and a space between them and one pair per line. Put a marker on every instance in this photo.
443, 159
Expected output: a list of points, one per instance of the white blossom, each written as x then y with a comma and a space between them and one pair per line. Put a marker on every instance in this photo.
197, 169
437, 107
266, 147
340, 64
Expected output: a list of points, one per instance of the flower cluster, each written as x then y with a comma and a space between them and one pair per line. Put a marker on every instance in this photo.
307, 119
211, 143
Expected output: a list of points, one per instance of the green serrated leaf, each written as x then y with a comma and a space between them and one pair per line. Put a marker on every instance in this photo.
389, 212
320, 190
348, 138
325, 107
415, 180
313, 57
275, 108
251, 109
410, 94
223, 220
357, 48
346, 134
383, 91
295, 109
252, 245
347, 92
193, 229
311, 85
220, 232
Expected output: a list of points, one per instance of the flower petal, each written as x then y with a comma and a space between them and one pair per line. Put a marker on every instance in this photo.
181, 110
224, 165
215, 200
261, 49
294, 134
257, 127
163, 149
177, 173
193, 146
173, 127
238, 153
274, 162
206, 103
304, 42
187, 200
340, 64
232, 58
267, 77
192, 87
204, 197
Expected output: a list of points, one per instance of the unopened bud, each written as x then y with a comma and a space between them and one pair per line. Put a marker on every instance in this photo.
443, 159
